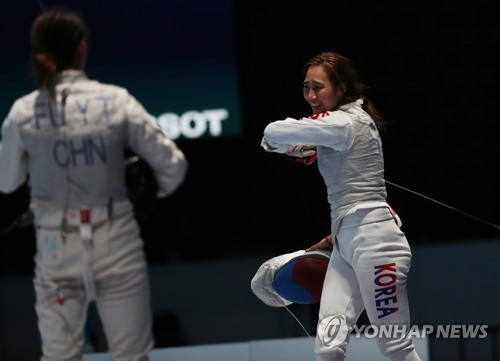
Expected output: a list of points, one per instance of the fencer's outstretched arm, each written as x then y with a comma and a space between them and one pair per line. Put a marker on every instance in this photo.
325, 243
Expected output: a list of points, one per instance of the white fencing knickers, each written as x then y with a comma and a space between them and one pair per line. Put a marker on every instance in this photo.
368, 270
111, 269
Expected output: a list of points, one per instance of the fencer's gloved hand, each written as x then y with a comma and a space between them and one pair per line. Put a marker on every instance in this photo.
300, 153
306, 154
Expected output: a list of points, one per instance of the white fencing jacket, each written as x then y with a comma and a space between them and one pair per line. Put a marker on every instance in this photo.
350, 156
73, 146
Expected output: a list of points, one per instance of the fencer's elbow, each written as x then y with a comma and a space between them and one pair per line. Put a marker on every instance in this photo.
175, 180
10, 187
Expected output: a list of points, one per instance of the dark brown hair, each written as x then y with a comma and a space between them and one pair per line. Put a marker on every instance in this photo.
55, 37
341, 72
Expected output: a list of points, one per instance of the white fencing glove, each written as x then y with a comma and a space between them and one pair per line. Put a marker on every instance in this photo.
300, 153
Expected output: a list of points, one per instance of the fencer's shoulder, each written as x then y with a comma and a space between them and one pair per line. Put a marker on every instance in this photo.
344, 112
332, 117
26, 99
353, 109
355, 104
114, 93
23, 106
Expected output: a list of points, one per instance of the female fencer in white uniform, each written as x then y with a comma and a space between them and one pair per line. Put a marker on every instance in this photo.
70, 137
371, 258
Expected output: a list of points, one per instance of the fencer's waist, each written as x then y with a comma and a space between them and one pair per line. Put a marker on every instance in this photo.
366, 213
46, 216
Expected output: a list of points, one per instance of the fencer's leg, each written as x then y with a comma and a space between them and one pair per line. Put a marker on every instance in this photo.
61, 319
340, 307
125, 312
122, 288
382, 261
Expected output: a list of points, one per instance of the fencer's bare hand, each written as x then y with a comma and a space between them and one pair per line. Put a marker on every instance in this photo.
325, 243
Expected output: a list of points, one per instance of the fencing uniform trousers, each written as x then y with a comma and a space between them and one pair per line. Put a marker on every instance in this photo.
368, 270
122, 291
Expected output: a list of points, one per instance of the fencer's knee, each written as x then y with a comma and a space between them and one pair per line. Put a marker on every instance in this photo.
401, 349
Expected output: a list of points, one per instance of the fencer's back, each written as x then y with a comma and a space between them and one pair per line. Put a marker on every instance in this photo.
75, 142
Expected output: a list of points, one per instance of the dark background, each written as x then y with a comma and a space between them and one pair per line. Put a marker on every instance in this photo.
432, 71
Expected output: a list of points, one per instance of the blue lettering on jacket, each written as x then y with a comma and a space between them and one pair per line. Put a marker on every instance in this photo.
83, 152
83, 109
44, 110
